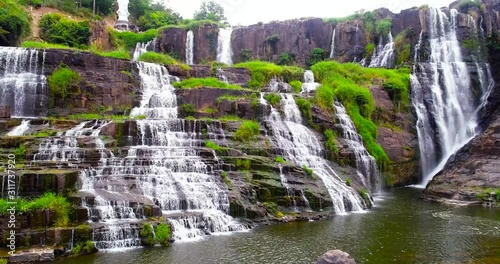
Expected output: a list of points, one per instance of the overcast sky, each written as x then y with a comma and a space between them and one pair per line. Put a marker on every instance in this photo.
246, 12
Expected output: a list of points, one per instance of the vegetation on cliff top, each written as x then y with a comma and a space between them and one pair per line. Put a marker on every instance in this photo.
60, 81
58, 30
194, 83
263, 72
14, 23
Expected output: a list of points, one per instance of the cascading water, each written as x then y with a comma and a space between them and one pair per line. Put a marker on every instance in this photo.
20, 130
22, 83
366, 164
141, 48
224, 50
332, 48
309, 85
383, 57
442, 96
123, 10
299, 145
190, 48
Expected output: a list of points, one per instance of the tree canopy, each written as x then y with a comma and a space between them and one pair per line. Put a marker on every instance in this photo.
210, 10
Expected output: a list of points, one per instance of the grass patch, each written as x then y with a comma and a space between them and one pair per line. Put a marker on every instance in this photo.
232, 98
296, 86
364, 194
309, 172
273, 99
263, 72
44, 45
213, 146
305, 108
163, 234
247, 131
194, 83
60, 82
162, 59
129, 39
331, 143
85, 116
280, 160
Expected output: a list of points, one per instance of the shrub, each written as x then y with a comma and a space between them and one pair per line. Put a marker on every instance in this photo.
383, 26
163, 234
193, 83
20, 151
156, 19
296, 86
286, 58
153, 57
348, 182
364, 194
263, 72
273, 99
331, 143
14, 23
56, 29
369, 50
403, 47
242, 164
60, 82
280, 159
57, 203
187, 109
305, 108
316, 56
464, 5
325, 96
247, 131
245, 55
148, 235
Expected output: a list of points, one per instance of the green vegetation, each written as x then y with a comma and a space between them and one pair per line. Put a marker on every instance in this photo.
229, 97
247, 131
60, 82
187, 109
20, 152
242, 164
157, 58
272, 208
14, 23
147, 233
383, 26
331, 143
194, 83
280, 160
485, 195
464, 5
130, 39
347, 83
85, 116
305, 108
117, 54
226, 179
158, 18
296, 86
163, 234
273, 99
44, 45
286, 58
369, 50
364, 194
374, 25
316, 56
214, 146
82, 8
58, 30
83, 248
263, 72
403, 46
348, 182
246, 55
57, 203
309, 172
210, 10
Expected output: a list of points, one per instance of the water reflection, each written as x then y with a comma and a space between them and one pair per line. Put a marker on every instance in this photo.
401, 229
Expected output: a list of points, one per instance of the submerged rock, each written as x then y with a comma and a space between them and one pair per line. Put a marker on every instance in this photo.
336, 257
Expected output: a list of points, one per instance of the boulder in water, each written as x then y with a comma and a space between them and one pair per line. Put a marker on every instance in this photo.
336, 257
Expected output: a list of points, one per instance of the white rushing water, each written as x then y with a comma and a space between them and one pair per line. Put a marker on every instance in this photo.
299, 145
365, 163
442, 96
309, 84
332, 48
190, 48
224, 50
23, 86
20, 130
123, 10
141, 48
383, 56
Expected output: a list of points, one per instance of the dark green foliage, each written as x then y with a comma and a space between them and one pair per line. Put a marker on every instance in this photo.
286, 58
148, 235
56, 29
194, 83
242, 164
316, 56
245, 55
364, 194
163, 234
331, 143
14, 23
403, 46
273, 99
305, 108
83, 248
60, 82
103, 7
296, 86
383, 26
210, 10
247, 131
156, 19
464, 5
187, 109
369, 50
130, 39
138, 8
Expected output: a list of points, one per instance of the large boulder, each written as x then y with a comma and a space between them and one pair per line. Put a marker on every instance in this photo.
336, 257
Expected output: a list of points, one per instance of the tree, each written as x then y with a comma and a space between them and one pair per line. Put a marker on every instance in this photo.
210, 10
156, 19
104, 7
138, 8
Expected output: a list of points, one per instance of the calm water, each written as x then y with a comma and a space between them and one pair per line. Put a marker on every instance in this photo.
401, 229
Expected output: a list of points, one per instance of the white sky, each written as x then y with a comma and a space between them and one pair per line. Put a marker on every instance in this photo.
247, 12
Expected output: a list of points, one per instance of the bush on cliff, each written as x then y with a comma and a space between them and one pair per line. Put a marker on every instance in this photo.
14, 23
194, 83
153, 57
247, 131
130, 39
263, 72
60, 82
56, 29
163, 234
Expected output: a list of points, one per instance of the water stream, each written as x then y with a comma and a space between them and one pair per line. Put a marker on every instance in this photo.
224, 50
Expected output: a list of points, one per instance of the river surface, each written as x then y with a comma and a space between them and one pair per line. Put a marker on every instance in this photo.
402, 228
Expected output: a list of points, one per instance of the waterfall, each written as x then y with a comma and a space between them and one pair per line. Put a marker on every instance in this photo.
224, 51
309, 84
22, 83
442, 96
366, 164
123, 10
299, 145
190, 48
383, 56
332, 48
141, 48
20, 130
